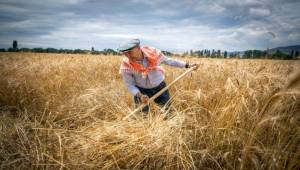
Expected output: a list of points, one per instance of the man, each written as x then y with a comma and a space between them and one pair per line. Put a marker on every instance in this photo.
142, 74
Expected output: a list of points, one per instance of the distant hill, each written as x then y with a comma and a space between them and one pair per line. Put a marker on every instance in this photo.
287, 49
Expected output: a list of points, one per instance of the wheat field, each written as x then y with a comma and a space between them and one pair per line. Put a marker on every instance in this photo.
65, 111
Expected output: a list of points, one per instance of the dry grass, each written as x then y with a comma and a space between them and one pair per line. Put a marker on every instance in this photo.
65, 112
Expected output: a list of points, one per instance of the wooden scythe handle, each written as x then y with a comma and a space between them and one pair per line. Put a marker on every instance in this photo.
159, 93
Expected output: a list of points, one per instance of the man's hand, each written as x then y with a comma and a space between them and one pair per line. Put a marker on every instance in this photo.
144, 98
188, 65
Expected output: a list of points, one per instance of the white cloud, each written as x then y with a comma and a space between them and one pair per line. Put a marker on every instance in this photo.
42, 3
181, 25
294, 36
166, 36
12, 9
260, 12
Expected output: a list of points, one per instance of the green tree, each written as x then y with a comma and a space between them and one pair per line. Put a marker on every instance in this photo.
280, 55
219, 53
292, 54
167, 53
296, 54
213, 53
225, 54
25, 49
191, 52
110, 52
248, 54
52, 50
257, 54
208, 53
38, 50
15, 44
78, 51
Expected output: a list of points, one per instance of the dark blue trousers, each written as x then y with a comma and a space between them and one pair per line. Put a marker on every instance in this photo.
161, 100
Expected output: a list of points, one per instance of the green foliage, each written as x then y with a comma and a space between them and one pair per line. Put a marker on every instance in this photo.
167, 53
15, 44
280, 55
51, 50
78, 51
110, 52
12, 50
253, 54
297, 54
213, 53
219, 53
25, 49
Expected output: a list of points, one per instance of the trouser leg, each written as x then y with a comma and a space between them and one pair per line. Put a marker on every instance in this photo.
163, 99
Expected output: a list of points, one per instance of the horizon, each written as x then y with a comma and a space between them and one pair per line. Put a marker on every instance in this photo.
174, 26
174, 52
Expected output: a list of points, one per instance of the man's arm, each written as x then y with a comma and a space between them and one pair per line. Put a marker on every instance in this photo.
173, 62
162, 59
130, 83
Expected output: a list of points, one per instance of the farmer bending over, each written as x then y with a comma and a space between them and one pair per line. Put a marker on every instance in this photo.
142, 74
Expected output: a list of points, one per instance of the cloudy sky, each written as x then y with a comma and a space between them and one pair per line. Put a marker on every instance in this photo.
173, 25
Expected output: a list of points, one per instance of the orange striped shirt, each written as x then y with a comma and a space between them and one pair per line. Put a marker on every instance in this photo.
154, 57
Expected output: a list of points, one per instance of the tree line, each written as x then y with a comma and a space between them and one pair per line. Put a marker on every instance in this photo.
15, 48
251, 54
248, 54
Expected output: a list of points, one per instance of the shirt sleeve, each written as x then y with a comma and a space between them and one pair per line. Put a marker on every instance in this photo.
169, 61
173, 62
130, 83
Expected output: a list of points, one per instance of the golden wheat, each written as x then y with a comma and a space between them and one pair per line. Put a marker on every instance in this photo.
66, 111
